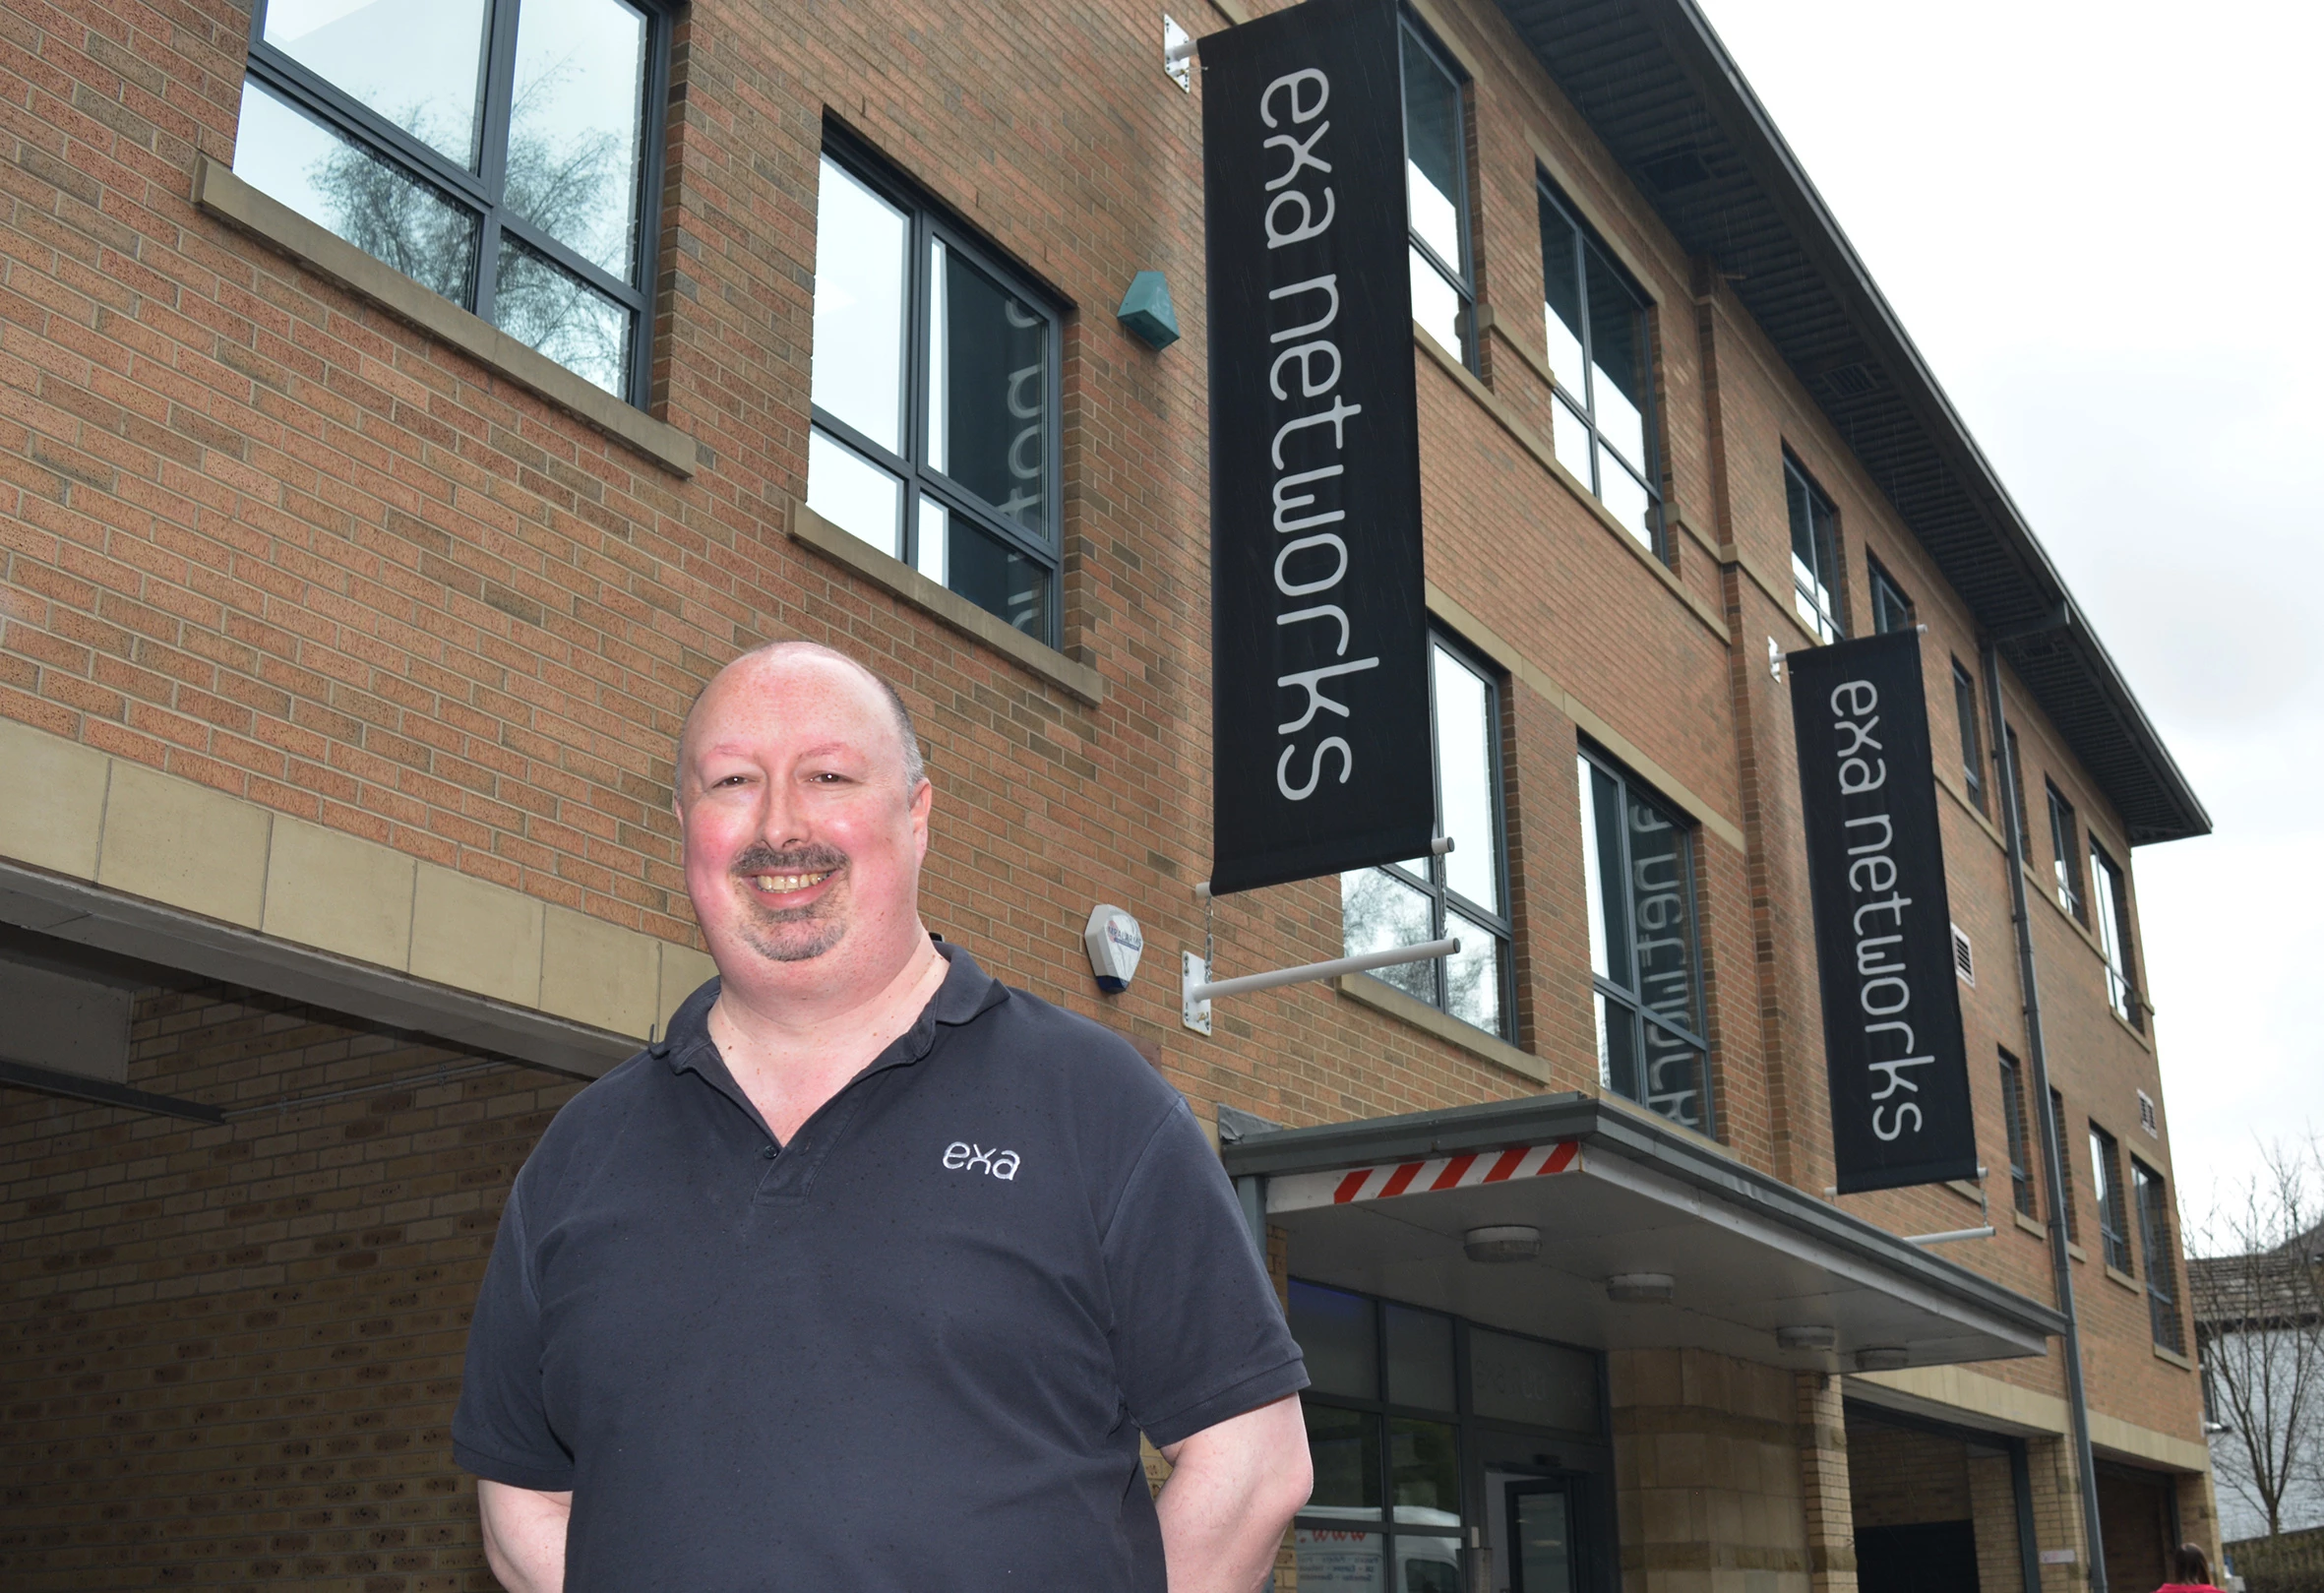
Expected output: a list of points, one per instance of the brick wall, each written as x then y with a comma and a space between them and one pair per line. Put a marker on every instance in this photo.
231, 1353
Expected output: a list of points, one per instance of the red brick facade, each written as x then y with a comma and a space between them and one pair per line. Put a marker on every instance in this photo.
264, 535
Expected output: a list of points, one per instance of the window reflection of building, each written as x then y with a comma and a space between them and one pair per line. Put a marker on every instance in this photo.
1815, 554
1640, 864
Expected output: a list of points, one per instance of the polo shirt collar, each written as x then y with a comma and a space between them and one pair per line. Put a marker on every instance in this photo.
968, 993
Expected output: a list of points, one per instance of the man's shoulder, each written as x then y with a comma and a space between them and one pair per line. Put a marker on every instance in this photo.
586, 1126
1067, 1048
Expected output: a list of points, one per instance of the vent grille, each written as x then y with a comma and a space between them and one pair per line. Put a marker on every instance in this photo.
1965, 961
2146, 1115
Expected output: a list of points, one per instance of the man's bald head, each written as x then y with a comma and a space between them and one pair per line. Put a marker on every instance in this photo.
915, 769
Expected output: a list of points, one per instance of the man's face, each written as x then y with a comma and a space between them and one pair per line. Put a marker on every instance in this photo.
803, 844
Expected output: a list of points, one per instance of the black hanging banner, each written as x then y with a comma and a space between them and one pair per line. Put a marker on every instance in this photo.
1319, 642
1883, 929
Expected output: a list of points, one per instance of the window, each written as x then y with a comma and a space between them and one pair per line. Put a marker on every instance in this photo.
2155, 1249
2148, 1123
1638, 863
1464, 894
2014, 1120
1387, 1412
2106, 1186
503, 154
1891, 609
1973, 771
1436, 195
936, 395
2065, 1167
1603, 366
2113, 902
1815, 554
2065, 859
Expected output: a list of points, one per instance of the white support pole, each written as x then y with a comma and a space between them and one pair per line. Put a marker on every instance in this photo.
1948, 1237
1196, 988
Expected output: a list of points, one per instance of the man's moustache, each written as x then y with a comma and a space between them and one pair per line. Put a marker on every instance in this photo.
801, 860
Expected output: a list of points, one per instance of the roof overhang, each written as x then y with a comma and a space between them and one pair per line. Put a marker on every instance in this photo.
1382, 1206
1659, 88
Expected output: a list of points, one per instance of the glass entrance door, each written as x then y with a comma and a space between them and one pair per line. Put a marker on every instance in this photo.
1540, 1550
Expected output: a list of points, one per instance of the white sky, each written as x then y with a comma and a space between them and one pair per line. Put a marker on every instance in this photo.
2097, 223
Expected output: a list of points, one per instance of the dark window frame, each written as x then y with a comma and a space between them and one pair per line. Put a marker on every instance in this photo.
2151, 1195
2114, 1218
1582, 402
1461, 275
1965, 705
2017, 777
929, 221
1892, 610
1827, 617
2065, 855
1435, 885
2016, 1131
1634, 1003
484, 191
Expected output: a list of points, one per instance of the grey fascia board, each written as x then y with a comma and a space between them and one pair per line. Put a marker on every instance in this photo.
1609, 1129
171, 937
1696, 47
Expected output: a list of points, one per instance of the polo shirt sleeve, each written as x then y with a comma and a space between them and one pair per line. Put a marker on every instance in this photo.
1198, 1332
501, 1430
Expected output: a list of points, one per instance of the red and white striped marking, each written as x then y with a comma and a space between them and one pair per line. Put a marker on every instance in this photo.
1388, 1180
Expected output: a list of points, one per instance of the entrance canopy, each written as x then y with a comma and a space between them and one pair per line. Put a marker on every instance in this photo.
1385, 1206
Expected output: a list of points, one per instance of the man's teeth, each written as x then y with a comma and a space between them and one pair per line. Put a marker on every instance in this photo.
775, 884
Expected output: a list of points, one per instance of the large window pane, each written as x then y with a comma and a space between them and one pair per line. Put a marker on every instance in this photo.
852, 493
575, 124
418, 63
1344, 1446
1424, 1472
548, 308
1336, 1335
859, 260
995, 576
1815, 554
1436, 306
1674, 1082
1627, 498
1622, 377
1432, 152
1602, 873
988, 385
1560, 270
364, 197
1465, 738
1472, 974
1378, 911
1661, 893
1420, 1357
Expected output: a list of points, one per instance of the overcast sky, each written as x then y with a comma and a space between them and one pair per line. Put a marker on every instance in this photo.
2097, 223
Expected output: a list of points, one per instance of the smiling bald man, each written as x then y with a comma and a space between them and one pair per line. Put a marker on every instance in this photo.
870, 1271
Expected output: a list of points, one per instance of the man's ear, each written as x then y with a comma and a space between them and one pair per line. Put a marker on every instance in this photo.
923, 802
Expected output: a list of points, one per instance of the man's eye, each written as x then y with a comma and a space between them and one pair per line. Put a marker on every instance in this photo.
731, 780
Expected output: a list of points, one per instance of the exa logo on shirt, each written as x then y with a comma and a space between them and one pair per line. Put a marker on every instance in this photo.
1001, 1164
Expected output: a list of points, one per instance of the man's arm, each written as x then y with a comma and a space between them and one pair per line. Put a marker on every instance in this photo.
1233, 1489
525, 1535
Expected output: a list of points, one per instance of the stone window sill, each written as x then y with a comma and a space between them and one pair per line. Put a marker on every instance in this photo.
2115, 1275
2165, 1353
2037, 1229
221, 194
1382, 997
1067, 675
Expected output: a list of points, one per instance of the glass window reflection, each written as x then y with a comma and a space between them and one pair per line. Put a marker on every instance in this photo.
1436, 198
1638, 881
1463, 895
574, 149
1597, 339
987, 386
419, 64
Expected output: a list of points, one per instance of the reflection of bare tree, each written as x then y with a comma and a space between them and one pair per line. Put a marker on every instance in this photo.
569, 184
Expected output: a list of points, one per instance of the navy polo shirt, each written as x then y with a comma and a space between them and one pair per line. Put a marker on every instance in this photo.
911, 1349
